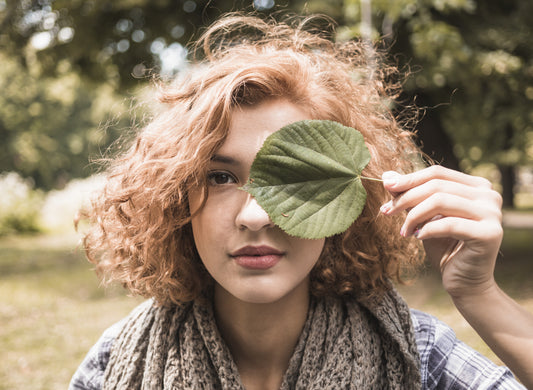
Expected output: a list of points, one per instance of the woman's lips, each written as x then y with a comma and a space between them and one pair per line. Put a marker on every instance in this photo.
257, 257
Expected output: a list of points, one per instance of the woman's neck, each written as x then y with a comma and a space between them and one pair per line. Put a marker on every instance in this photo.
262, 337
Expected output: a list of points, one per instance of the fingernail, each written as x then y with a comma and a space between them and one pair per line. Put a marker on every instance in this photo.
386, 208
403, 231
390, 178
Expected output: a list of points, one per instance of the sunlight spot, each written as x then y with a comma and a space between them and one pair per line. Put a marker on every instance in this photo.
41, 40
138, 36
123, 45
65, 34
261, 5
189, 6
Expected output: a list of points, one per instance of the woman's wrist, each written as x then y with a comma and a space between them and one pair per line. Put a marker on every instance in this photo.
504, 325
475, 293
472, 291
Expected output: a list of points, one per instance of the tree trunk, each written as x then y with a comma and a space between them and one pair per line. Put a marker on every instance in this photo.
508, 181
507, 172
436, 143
432, 137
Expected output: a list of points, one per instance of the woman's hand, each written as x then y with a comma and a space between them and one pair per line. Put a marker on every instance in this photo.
458, 218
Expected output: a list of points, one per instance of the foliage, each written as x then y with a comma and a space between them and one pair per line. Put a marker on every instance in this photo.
473, 57
49, 127
19, 205
117, 41
24, 209
306, 176
470, 62
61, 80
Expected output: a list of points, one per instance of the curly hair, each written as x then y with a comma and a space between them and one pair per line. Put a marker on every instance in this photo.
141, 232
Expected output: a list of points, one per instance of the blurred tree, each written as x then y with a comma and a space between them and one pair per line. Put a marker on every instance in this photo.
48, 127
64, 62
470, 62
115, 41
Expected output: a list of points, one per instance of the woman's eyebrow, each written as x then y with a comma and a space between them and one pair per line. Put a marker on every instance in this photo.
224, 159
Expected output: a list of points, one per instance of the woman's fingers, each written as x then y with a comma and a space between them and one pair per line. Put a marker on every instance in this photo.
415, 195
449, 205
461, 229
444, 204
440, 191
457, 216
397, 183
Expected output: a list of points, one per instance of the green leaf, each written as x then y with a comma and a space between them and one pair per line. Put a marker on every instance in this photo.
306, 176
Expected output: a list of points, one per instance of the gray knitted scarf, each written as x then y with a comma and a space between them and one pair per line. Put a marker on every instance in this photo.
345, 344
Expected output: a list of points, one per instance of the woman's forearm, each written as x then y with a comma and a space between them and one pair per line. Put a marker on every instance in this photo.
505, 326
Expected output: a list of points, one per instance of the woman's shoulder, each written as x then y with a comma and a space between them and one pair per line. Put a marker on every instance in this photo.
90, 373
447, 362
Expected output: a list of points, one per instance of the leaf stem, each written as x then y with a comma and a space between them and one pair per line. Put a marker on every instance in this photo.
370, 178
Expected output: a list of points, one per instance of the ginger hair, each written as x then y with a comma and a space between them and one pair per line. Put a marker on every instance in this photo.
140, 233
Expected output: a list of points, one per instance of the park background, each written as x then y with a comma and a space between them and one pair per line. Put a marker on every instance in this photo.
74, 75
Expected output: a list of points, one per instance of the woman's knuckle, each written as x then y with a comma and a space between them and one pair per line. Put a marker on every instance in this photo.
499, 215
493, 231
490, 196
436, 170
434, 186
498, 199
482, 182
438, 199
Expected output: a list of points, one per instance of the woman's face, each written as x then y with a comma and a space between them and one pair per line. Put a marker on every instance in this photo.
246, 254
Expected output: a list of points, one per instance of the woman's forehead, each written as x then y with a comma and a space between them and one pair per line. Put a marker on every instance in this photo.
251, 125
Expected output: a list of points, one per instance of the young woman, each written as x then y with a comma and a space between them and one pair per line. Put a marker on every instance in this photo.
236, 303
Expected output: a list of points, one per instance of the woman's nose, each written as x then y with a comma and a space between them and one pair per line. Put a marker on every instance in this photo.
251, 216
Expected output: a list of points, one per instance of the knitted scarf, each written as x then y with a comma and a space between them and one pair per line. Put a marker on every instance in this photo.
344, 344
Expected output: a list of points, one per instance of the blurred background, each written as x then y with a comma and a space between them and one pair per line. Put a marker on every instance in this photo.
71, 71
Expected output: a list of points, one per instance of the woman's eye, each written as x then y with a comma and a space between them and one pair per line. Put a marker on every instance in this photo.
220, 178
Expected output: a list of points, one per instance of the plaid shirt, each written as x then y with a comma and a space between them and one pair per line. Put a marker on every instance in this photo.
446, 363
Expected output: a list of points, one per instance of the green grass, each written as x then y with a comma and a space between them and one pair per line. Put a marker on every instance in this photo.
53, 308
